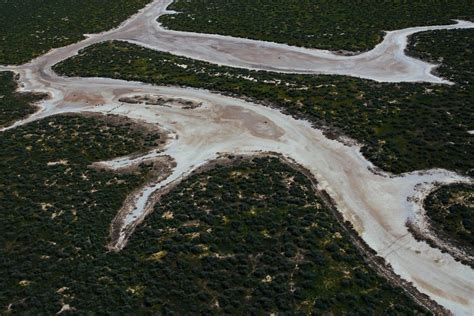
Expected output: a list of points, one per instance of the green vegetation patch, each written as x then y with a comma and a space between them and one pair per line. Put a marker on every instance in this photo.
30, 28
403, 126
253, 238
55, 210
335, 25
453, 50
13, 105
451, 213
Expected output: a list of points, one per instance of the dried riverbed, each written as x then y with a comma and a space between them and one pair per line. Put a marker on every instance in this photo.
377, 204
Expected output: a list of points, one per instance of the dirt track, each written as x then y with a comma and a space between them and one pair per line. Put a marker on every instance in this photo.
377, 205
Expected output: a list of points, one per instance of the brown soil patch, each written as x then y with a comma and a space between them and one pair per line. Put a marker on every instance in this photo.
85, 98
256, 124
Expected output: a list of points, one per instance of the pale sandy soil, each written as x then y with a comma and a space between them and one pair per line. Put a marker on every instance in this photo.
377, 204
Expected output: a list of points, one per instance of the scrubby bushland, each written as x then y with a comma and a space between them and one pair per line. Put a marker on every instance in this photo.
334, 25
403, 126
13, 105
55, 211
251, 238
452, 50
30, 28
451, 213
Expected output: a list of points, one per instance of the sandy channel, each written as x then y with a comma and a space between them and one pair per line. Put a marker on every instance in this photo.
377, 204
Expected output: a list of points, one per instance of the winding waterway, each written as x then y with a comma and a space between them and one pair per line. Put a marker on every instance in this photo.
377, 204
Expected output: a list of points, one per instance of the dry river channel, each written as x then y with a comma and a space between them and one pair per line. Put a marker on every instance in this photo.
377, 204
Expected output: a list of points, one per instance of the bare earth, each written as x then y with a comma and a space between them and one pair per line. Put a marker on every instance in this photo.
377, 204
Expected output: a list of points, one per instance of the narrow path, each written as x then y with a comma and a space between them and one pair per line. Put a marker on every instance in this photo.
378, 205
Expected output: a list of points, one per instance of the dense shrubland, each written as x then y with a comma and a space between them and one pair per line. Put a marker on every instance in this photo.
13, 105
252, 238
55, 210
402, 126
334, 25
30, 28
452, 50
451, 213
